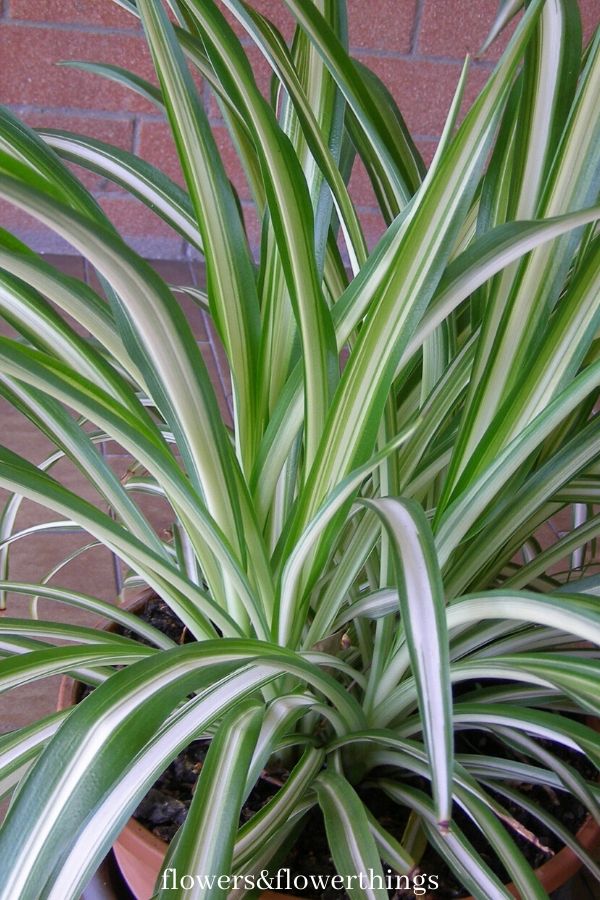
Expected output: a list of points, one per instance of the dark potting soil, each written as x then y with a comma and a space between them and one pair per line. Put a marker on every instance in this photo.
164, 808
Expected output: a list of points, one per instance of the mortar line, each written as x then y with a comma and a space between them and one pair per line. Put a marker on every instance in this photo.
414, 35
24, 109
78, 27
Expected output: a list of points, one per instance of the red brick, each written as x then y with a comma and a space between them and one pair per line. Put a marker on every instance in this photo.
261, 68
590, 17
465, 30
30, 230
373, 226
132, 218
389, 27
427, 149
359, 187
424, 90
68, 265
278, 14
80, 12
156, 146
141, 228
460, 30
118, 132
252, 225
30, 56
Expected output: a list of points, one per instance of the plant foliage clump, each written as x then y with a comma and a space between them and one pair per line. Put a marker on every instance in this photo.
360, 554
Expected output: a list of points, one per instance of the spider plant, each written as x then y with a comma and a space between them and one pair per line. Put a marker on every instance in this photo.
359, 556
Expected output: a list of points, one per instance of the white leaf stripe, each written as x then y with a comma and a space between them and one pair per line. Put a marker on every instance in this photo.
140, 178
234, 301
352, 844
205, 843
423, 617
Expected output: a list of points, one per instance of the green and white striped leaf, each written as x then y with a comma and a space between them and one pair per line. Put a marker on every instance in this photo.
352, 845
205, 842
423, 618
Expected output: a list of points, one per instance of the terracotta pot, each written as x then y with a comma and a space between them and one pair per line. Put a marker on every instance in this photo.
141, 854
554, 873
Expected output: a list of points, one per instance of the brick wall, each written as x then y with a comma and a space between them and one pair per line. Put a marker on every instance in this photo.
416, 46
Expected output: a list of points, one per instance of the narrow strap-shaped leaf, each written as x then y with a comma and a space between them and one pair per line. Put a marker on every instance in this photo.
574, 677
121, 76
464, 275
390, 849
469, 505
110, 727
190, 719
406, 158
178, 377
311, 119
570, 614
21, 476
485, 257
573, 781
550, 823
570, 542
422, 248
194, 51
480, 807
507, 850
511, 520
27, 660
204, 846
140, 178
23, 145
566, 342
423, 615
352, 845
92, 604
31, 315
269, 42
368, 113
276, 811
506, 10
49, 631
290, 610
516, 317
550, 73
19, 748
541, 724
231, 284
74, 297
464, 860
148, 447
292, 219
56, 423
